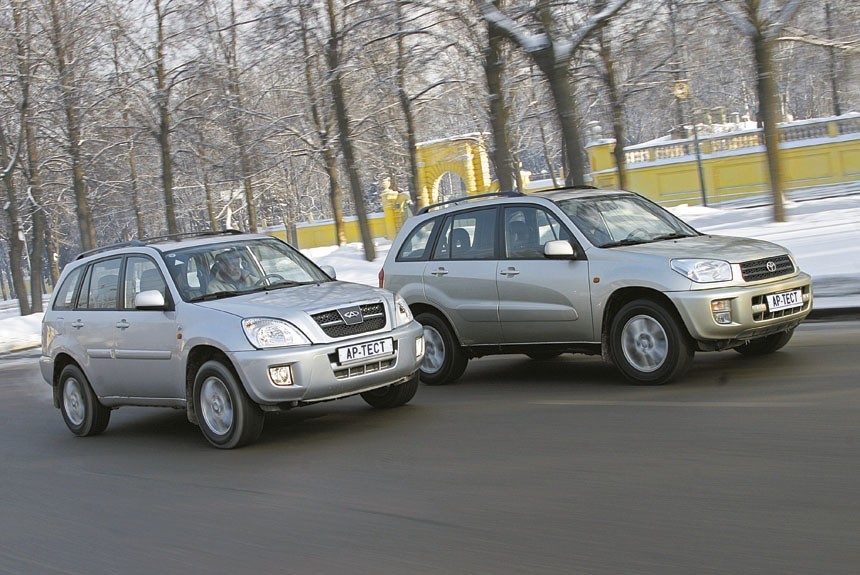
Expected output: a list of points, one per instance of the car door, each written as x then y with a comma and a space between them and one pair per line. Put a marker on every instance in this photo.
541, 300
460, 277
147, 348
90, 327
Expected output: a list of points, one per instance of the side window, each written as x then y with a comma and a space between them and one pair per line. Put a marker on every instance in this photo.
141, 274
415, 247
102, 285
468, 236
528, 229
66, 292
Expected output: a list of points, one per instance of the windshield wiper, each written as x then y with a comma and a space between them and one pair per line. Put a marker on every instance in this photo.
216, 295
284, 283
624, 242
672, 236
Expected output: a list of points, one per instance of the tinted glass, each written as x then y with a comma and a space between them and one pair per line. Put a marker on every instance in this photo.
66, 292
141, 274
102, 287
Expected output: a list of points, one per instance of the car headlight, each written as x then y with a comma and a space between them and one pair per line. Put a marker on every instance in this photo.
264, 332
402, 313
703, 271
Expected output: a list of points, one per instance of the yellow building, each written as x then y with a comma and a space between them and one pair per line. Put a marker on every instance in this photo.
813, 153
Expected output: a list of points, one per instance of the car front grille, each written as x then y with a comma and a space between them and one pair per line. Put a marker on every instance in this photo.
761, 313
356, 370
757, 270
331, 322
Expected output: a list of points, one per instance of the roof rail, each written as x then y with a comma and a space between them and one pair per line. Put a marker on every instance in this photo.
155, 239
426, 209
136, 243
185, 235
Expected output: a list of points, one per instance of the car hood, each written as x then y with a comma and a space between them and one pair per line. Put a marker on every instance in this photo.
728, 248
311, 298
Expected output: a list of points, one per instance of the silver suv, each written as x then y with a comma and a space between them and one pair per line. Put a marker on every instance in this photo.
226, 326
588, 271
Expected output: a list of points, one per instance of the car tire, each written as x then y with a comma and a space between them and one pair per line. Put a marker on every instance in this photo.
765, 345
226, 415
444, 360
82, 411
648, 344
391, 395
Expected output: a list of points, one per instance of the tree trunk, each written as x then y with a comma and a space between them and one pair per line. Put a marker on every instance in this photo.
406, 107
16, 244
73, 128
34, 179
562, 95
343, 122
616, 106
329, 156
494, 70
164, 124
768, 106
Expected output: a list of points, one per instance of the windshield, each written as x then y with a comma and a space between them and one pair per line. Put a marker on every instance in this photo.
620, 219
225, 269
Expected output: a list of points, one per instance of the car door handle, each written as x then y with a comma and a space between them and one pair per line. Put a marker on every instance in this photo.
123, 324
77, 324
510, 272
439, 272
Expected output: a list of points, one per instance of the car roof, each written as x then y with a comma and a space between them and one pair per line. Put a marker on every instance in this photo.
172, 242
554, 195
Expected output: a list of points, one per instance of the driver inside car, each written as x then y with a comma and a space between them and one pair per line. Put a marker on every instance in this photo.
230, 273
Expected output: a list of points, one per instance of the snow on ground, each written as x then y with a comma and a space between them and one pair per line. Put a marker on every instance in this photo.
823, 232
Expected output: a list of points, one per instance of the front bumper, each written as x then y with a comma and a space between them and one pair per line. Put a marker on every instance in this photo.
317, 375
749, 315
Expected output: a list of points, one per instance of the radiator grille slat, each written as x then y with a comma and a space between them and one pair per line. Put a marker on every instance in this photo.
757, 270
333, 324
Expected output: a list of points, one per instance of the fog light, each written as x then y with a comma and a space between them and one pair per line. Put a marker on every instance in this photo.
722, 310
419, 347
281, 375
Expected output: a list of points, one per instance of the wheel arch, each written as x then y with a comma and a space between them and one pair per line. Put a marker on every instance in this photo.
197, 356
418, 308
62, 361
622, 297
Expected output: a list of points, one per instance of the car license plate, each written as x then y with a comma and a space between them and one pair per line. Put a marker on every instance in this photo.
784, 300
365, 350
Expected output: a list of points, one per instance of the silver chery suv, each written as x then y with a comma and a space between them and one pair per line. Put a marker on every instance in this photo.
588, 271
226, 326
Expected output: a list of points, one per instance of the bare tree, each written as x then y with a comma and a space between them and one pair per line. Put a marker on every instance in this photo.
16, 234
507, 170
63, 42
322, 123
762, 26
333, 58
552, 48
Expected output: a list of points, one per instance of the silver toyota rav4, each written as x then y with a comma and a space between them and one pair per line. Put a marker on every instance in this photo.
588, 271
226, 326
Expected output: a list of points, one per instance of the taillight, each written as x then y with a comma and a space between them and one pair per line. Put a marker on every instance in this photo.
381, 278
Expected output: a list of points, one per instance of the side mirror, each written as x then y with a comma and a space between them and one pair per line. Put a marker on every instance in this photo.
329, 271
150, 299
559, 250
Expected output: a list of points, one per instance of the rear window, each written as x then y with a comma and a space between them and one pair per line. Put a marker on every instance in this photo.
68, 289
415, 246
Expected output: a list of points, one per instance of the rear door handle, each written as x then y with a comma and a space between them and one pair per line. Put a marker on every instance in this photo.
510, 272
439, 272
123, 324
77, 324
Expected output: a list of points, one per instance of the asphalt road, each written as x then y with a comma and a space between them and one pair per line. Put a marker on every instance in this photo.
746, 466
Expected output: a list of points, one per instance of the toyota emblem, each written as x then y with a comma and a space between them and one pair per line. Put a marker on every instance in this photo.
771, 267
